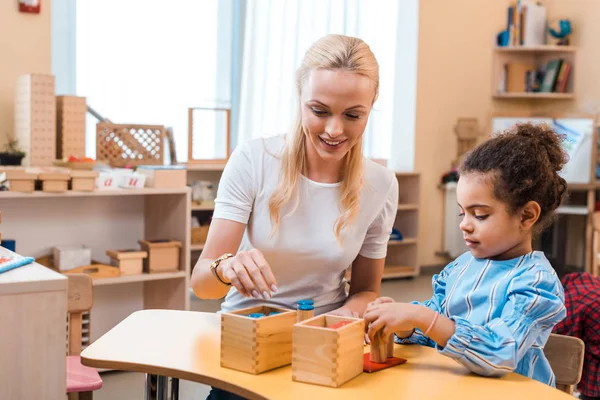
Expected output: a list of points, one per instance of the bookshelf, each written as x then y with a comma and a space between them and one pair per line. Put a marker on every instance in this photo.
510, 64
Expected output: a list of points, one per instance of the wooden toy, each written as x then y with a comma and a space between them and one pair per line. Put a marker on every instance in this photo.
378, 349
96, 271
257, 344
35, 118
325, 356
126, 144
369, 366
163, 255
130, 261
390, 346
164, 176
304, 311
20, 179
54, 179
70, 126
69, 257
83, 181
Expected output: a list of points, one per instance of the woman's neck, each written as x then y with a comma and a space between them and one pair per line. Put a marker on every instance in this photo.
320, 170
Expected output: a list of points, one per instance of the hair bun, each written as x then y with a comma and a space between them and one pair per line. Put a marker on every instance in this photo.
544, 137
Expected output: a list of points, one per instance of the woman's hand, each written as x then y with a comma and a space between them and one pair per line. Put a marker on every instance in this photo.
250, 273
389, 317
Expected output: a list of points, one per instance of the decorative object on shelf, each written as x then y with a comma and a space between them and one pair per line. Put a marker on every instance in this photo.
209, 137
199, 234
467, 132
96, 271
69, 257
129, 145
203, 192
12, 154
396, 235
83, 181
562, 33
18, 179
70, 126
163, 255
129, 261
35, 118
54, 179
163, 176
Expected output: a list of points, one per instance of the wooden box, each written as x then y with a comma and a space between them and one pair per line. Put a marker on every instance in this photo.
83, 181
35, 118
163, 177
130, 261
20, 179
55, 179
163, 255
70, 126
326, 356
199, 234
256, 345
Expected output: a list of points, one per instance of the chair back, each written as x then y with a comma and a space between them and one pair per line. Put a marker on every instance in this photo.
79, 300
565, 354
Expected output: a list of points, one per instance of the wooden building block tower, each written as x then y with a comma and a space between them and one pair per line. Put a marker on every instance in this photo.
328, 350
70, 126
257, 339
35, 118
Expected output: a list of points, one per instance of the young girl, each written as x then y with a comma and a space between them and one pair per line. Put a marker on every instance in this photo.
494, 307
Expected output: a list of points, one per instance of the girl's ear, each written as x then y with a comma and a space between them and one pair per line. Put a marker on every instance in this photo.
530, 213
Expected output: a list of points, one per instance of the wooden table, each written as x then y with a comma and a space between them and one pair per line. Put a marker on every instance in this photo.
185, 345
33, 332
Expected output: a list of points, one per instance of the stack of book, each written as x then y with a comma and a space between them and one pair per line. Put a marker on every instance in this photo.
551, 77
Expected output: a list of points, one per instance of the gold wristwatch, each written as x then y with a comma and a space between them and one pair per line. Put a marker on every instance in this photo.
215, 264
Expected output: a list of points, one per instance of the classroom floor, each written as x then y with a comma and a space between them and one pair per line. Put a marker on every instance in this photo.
130, 385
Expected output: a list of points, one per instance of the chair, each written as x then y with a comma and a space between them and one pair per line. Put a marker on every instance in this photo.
565, 354
81, 380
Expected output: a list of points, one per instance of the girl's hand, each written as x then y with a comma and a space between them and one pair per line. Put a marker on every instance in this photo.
250, 273
380, 300
389, 318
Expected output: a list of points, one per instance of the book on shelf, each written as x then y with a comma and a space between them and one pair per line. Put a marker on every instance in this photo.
526, 24
550, 77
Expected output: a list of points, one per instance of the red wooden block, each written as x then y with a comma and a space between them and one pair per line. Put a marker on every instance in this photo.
369, 366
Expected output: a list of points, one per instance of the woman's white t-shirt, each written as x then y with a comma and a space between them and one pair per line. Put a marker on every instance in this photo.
304, 255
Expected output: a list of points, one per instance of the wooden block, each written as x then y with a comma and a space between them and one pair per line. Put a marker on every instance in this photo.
22, 186
164, 177
70, 126
256, 345
55, 186
325, 356
302, 315
163, 255
83, 181
130, 262
35, 118
20, 179
378, 349
390, 346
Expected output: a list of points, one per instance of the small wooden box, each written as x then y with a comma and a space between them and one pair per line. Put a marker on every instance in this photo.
163, 255
163, 177
130, 261
83, 181
20, 179
199, 234
256, 345
55, 179
326, 356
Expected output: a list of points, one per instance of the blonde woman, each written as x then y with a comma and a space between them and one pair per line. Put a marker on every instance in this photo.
293, 212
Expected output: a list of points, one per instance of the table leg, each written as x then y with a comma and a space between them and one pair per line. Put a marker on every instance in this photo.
157, 388
174, 388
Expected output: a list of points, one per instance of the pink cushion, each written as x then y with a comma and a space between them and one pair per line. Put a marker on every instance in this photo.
81, 378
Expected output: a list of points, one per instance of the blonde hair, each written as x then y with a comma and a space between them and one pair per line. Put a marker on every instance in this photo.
330, 52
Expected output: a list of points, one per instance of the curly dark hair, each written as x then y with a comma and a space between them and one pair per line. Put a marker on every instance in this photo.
524, 162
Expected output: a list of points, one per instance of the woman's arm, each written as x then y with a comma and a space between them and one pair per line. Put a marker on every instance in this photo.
364, 284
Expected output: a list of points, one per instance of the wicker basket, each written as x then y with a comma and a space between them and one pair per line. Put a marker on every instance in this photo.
125, 144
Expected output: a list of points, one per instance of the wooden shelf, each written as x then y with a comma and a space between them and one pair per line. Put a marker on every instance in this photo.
404, 242
138, 278
581, 186
203, 207
536, 49
393, 271
96, 193
197, 247
535, 95
205, 167
408, 207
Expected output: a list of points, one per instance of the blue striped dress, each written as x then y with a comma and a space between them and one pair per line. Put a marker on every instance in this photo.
504, 312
